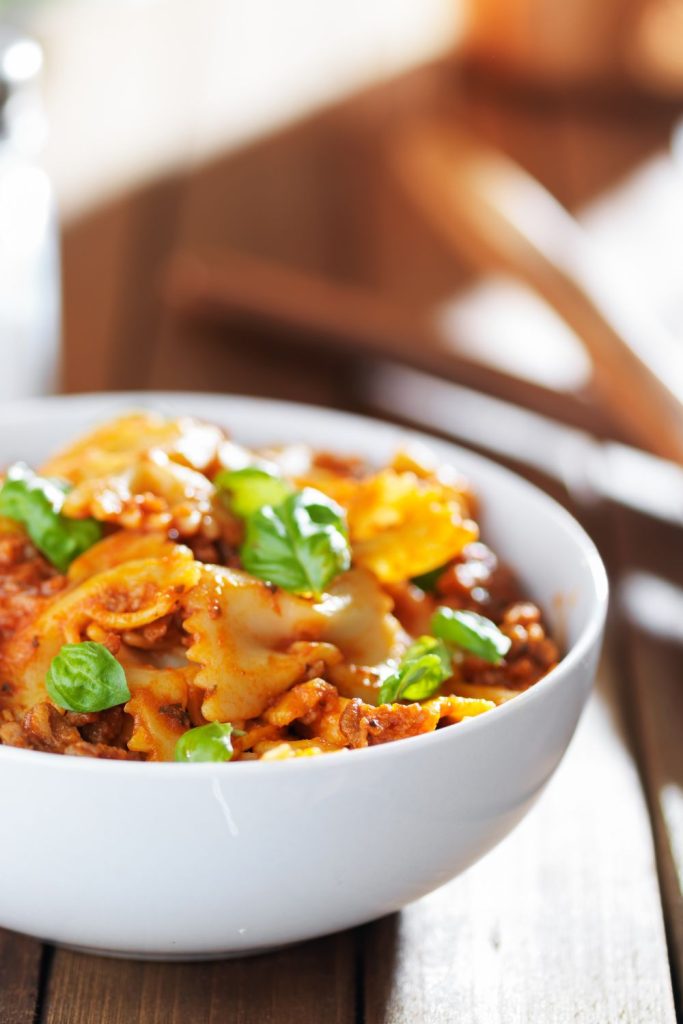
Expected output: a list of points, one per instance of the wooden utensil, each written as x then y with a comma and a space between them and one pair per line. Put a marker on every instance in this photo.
281, 306
490, 210
294, 307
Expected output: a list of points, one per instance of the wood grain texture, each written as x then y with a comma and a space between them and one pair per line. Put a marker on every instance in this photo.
94, 253
20, 966
135, 327
658, 704
561, 923
313, 982
653, 667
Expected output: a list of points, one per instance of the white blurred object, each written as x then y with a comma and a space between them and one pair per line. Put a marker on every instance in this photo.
29, 255
501, 322
206, 76
653, 604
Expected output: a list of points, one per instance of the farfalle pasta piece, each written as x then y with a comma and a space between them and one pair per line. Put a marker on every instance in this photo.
118, 444
370, 638
124, 598
342, 489
131, 595
251, 641
302, 701
285, 750
316, 706
400, 524
159, 706
254, 732
454, 708
122, 546
360, 622
486, 692
420, 460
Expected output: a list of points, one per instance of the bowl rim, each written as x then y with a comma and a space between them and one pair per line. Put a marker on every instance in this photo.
588, 637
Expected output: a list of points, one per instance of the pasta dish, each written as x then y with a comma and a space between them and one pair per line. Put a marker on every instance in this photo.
168, 594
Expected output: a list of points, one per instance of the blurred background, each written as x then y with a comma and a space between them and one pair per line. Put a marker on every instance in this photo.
462, 214
280, 198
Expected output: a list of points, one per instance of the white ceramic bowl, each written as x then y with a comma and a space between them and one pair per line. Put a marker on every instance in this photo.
198, 861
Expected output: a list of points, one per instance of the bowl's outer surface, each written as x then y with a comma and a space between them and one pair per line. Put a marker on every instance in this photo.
203, 860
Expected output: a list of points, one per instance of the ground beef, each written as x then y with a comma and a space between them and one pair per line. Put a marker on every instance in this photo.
27, 582
532, 653
478, 581
46, 728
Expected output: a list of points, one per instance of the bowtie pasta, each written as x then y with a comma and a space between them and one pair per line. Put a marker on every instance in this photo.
168, 594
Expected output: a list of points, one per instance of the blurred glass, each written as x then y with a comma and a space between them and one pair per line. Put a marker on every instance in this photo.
29, 257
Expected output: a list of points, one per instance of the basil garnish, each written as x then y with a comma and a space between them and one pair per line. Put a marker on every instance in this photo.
212, 742
427, 581
251, 488
423, 668
471, 632
86, 677
36, 503
299, 545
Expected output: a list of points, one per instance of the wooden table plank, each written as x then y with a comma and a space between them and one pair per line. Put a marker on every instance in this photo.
311, 982
20, 969
650, 599
658, 698
560, 923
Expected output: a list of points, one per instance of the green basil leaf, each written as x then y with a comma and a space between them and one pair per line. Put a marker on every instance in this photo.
427, 581
429, 645
251, 488
36, 503
471, 632
212, 742
424, 667
300, 544
86, 677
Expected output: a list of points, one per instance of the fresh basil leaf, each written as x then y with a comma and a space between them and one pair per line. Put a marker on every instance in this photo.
300, 544
471, 632
427, 581
36, 503
86, 677
249, 489
424, 667
429, 645
212, 742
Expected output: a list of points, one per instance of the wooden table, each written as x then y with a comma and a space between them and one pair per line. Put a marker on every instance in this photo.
578, 915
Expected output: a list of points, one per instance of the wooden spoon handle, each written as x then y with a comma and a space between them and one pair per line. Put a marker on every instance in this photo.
493, 212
